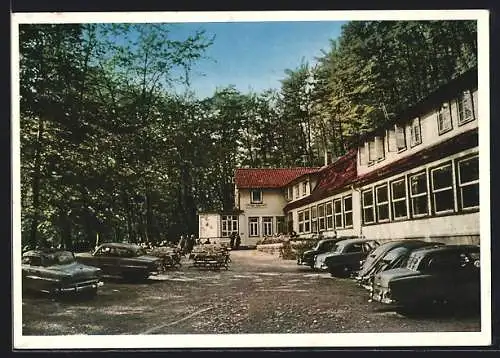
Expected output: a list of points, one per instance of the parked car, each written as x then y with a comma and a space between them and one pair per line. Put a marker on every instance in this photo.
442, 274
58, 272
308, 256
388, 255
129, 261
345, 257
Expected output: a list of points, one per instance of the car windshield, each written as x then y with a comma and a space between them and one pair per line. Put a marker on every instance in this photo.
394, 254
59, 258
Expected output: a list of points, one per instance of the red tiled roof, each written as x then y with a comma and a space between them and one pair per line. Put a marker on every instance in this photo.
331, 178
268, 177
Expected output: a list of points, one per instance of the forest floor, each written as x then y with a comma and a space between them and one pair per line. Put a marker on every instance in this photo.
258, 294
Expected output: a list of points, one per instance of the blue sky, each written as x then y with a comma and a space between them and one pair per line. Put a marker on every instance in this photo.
254, 55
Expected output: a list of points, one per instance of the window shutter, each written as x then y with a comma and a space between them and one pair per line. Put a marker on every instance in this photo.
379, 147
400, 137
391, 139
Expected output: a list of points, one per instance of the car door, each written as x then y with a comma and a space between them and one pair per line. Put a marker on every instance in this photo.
352, 254
31, 267
105, 258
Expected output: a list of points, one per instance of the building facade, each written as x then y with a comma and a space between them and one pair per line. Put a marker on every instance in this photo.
415, 177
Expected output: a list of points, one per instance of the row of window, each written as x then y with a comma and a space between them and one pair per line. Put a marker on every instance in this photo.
299, 190
447, 188
229, 225
266, 225
374, 151
335, 214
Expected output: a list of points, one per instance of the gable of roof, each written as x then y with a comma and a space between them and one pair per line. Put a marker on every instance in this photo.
331, 179
263, 178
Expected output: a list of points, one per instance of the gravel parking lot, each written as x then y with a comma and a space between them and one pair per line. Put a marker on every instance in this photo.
258, 294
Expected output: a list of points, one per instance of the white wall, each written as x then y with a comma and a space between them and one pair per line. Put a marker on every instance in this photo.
429, 133
209, 225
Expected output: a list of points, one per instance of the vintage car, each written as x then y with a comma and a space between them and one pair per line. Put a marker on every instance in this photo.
308, 256
345, 257
388, 255
58, 272
440, 274
126, 260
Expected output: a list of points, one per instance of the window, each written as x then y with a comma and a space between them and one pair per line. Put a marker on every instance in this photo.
418, 195
398, 193
280, 224
465, 108
468, 182
253, 226
267, 226
307, 221
321, 217
357, 247
368, 212
290, 193
304, 188
229, 225
363, 159
444, 119
301, 221
297, 193
382, 200
256, 196
400, 137
314, 221
329, 215
337, 210
442, 189
348, 211
391, 140
415, 134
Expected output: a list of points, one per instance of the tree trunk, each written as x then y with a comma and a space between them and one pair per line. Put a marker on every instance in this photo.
36, 185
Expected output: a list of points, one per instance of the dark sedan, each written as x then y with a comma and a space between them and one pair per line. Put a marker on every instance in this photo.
325, 245
386, 256
444, 274
57, 272
346, 256
127, 260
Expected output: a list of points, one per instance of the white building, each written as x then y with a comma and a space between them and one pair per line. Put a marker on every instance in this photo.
415, 177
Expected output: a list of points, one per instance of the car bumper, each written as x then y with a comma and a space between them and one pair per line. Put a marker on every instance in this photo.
382, 296
80, 287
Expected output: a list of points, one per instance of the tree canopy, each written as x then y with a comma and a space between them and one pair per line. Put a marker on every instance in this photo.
109, 148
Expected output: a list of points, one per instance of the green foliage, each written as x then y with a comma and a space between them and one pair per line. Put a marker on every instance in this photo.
107, 148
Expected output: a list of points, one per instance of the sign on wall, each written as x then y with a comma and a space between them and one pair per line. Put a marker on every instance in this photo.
208, 225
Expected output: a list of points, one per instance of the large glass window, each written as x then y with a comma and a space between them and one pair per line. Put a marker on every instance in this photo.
465, 108
301, 221
442, 189
418, 195
368, 212
267, 225
280, 224
253, 226
398, 196
307, 221
382, 200
229, 225
256, 196
468, 182
314, 219
337, 209
347, 211
329, 215
444, 118
321, 217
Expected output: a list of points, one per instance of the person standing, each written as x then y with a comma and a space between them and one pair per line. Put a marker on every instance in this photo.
237, 242
233, 238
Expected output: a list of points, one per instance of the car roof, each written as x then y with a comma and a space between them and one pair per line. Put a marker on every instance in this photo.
443, 248
353, 241
121, 245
